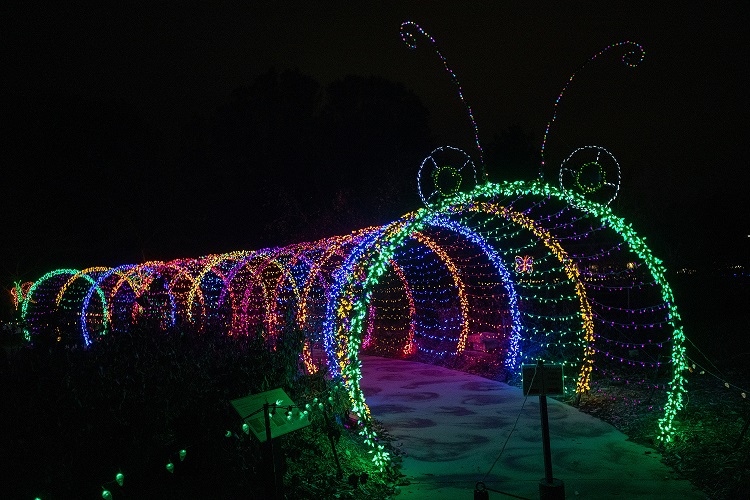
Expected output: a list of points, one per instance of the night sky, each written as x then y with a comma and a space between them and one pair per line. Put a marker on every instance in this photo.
105, 111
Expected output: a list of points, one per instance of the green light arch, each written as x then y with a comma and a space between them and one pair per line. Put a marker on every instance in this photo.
356, 308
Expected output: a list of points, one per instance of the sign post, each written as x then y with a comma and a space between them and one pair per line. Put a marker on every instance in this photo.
269, 426
541, 379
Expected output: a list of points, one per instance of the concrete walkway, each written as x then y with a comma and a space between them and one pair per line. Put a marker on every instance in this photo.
453, 425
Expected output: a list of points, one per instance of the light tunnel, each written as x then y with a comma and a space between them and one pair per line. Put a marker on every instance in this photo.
506, 274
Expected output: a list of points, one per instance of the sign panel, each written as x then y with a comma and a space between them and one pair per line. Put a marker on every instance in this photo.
250, 409
542, 379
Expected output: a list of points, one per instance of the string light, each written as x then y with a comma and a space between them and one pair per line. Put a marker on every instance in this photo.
39, 294
424, 282
408, 31
19, 292
591, 177
438, 178
632, 58
524, 264
465, 241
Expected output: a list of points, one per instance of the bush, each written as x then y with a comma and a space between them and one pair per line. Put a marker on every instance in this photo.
134, 400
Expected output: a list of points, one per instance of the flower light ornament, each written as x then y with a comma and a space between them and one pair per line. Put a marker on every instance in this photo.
341, 278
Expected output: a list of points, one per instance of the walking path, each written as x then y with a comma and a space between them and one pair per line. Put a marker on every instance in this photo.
453, 425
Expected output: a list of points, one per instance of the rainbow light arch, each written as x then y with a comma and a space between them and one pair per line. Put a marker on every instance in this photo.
424, 282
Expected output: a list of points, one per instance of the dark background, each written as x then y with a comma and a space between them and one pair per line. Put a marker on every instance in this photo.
131, 134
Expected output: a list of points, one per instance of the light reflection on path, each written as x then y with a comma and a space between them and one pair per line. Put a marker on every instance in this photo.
452, 426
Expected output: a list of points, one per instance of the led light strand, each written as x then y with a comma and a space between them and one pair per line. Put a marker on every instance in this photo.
630, 58
409, 37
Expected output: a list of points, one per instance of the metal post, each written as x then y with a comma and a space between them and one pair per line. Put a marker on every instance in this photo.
269, 446
549, 488
545, 438
339, 472
278, 480
545, 425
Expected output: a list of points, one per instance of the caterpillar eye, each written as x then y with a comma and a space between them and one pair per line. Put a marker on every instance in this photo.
447, 179
591, 172
446, 172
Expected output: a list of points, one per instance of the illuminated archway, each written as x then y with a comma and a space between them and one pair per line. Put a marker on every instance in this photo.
351, 301
564, 265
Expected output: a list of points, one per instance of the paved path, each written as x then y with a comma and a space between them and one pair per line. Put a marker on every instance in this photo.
453, 425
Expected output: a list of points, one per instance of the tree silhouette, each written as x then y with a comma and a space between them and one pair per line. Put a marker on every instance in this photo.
282, 159
295, 161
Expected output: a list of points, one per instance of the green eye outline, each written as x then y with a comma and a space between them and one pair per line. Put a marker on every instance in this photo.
453, 173
443, 163
573, 179
587, 187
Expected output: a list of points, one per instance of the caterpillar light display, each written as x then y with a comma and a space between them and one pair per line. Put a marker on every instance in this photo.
513, 272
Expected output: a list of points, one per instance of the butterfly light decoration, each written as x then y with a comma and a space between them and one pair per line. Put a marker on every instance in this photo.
524, 264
